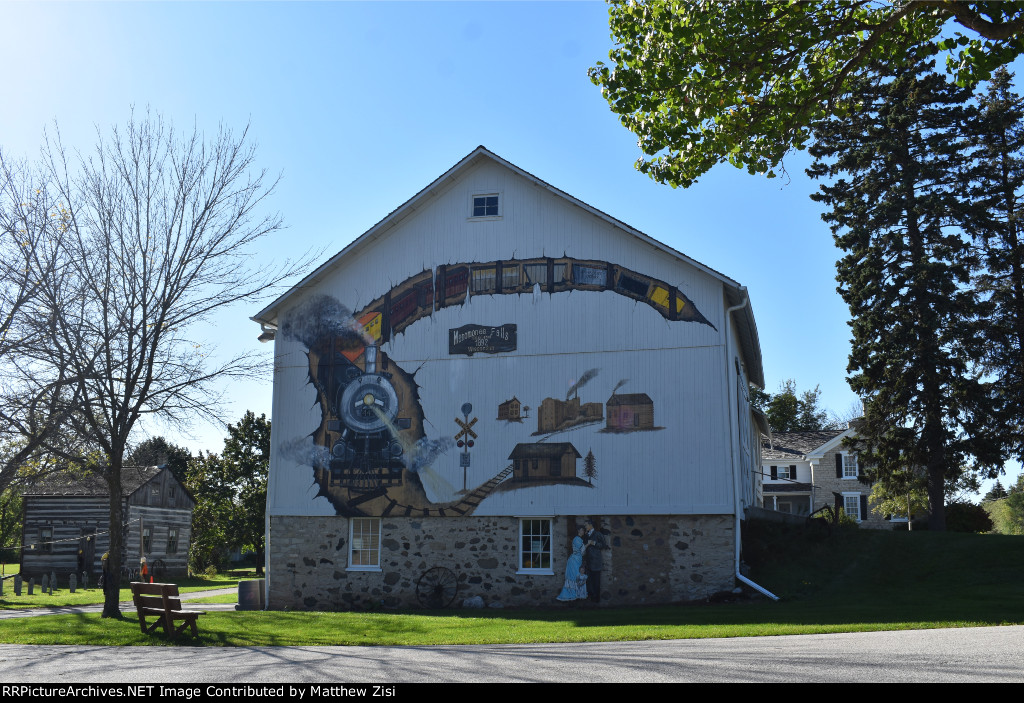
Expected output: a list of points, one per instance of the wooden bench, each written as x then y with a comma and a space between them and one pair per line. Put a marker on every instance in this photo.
161, 600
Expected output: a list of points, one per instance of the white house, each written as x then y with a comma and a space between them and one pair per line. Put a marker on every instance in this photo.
805, 471
397, 474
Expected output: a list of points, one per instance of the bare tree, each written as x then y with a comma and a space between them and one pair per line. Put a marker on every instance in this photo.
35, 393
159, 225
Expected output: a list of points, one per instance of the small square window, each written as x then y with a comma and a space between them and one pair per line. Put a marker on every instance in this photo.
535, 544
364, 544
486, 205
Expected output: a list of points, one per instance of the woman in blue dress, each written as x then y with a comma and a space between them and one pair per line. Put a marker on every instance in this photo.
575, 587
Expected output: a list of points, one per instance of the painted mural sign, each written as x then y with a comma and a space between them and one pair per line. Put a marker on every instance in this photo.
371, 455
481, 339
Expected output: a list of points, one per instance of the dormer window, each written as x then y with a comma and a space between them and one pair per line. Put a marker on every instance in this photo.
486, 205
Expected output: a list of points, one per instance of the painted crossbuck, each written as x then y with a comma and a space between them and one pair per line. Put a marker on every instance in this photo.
467, 429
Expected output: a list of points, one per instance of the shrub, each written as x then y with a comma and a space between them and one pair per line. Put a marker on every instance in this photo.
967, 517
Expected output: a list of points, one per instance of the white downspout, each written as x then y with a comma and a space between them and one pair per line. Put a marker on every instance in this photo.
734, 443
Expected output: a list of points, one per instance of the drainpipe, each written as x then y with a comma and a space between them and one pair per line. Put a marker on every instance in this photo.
734, 443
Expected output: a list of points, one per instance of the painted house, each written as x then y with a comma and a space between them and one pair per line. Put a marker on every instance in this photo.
630, 412
805, 471
521, 291
66, 522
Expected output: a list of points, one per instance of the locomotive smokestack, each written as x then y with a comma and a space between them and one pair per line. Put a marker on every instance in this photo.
371, 358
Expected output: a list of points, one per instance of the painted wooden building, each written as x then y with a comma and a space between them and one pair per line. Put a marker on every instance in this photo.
389, 462
66, 523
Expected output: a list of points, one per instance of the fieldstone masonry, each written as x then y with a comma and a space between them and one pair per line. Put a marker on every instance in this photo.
652, 559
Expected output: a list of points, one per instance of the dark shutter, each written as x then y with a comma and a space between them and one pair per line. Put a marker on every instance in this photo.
792, 472
839, 502
775, 472
839, 465
863, 507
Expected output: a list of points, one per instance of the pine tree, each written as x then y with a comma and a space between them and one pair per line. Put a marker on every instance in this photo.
896, 167
590, 467
999, 182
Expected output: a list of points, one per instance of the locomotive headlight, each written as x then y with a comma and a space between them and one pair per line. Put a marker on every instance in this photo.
368, 399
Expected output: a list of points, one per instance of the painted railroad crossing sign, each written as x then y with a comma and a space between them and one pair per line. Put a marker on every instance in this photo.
466, 431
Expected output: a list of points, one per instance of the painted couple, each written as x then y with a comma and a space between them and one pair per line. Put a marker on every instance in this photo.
584, 582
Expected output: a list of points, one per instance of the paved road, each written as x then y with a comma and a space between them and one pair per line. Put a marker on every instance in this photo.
954, 655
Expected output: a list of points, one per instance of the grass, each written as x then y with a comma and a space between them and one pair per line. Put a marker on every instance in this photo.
64, 597
850, 582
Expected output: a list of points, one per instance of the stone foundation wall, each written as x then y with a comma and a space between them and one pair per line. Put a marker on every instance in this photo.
652, 559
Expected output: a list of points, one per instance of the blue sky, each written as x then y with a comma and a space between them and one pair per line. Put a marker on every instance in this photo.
360, 105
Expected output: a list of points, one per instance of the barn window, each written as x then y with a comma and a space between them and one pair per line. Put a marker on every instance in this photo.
535, 545
364, 544
486, 205
172, 540
172, 496
147, 540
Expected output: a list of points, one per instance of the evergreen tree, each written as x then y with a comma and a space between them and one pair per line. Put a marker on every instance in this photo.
787, 412
995, 493
896, 166
999, 182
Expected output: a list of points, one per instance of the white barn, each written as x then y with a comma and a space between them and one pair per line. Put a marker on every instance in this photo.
395, 475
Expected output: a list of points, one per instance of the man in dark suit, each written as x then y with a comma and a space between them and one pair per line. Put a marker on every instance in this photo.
595, 542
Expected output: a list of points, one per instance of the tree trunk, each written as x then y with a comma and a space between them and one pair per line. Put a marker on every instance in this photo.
111, 593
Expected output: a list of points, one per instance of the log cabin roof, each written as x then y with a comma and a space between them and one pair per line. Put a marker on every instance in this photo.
57, 484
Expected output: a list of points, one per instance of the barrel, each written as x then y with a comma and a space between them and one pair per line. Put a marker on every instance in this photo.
250, 594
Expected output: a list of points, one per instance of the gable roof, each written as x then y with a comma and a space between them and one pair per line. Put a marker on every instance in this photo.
132, 478
735, 293
798, 446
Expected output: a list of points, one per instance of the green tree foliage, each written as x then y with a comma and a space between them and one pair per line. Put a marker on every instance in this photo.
231, 495
903, 493
967, 517
788, 411
996, 492
211, 517
157, 451
1007, 513
906, 275
998, 184
246, 464
10, 525
710, 81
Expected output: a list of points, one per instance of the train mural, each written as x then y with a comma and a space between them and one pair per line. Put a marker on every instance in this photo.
371, 455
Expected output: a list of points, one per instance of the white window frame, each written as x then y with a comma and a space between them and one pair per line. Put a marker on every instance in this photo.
778, 473
364, 544
853, 461
846, 505
535, 547
490, 194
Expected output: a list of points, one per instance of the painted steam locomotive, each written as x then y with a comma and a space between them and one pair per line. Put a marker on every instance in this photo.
363, 425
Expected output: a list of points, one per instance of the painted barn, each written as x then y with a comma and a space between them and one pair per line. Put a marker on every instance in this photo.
390, 473
66, 522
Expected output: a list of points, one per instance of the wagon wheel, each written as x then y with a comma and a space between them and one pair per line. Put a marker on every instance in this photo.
437, 587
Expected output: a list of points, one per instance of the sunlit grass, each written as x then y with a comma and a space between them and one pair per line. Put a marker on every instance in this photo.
852, 582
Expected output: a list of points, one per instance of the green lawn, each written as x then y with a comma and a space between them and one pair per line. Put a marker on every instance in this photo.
851, 582
93, 595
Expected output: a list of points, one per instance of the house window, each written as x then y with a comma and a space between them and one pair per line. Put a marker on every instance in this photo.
172, 541
851, 504
46, 540
849, 466
535, 544
486, 205
364, 544
783, 473
147, 540
172, 495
